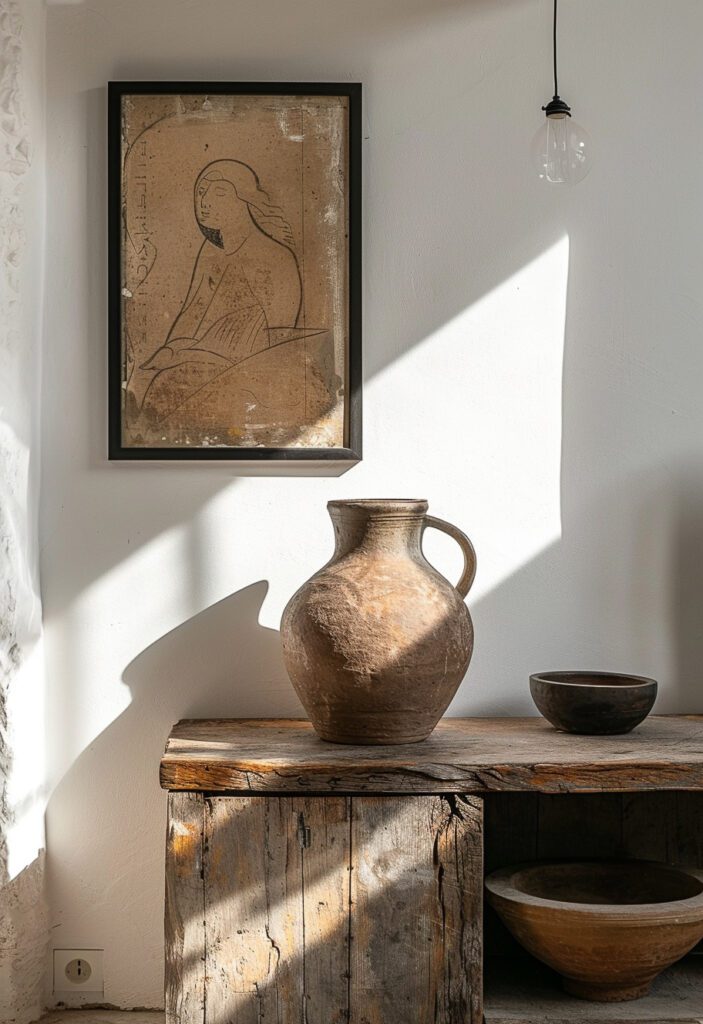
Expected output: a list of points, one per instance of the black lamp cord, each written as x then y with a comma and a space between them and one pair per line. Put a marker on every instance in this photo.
556, 106
554, 42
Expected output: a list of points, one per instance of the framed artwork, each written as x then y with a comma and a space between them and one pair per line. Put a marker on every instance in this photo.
234, 270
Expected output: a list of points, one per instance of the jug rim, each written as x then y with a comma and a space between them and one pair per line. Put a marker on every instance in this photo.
381, 505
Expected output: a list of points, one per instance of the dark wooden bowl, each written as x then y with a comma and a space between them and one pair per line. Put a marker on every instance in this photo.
593, 703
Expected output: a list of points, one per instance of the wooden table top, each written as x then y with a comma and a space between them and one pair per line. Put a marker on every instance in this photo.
464, 755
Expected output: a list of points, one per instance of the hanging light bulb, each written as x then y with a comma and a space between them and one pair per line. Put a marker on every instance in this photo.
561, 148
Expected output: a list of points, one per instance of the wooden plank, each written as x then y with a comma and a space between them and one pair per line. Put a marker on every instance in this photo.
396, 921
645, 826
648, 826
185, 912
253, 903
324, 826
587, 825
462, 755
526, 992
510, 823
277, 906
416, 911
104, 1017
459, 854
688, 835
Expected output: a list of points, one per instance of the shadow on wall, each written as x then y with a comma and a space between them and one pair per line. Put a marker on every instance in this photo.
197, 670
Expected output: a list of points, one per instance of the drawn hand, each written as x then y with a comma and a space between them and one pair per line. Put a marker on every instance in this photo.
167, 355
161, 359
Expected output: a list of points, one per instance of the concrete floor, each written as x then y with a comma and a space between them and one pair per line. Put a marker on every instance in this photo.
103, 1017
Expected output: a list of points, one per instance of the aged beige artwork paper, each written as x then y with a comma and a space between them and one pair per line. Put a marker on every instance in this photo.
234, 271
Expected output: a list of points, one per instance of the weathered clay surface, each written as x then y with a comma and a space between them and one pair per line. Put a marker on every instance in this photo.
608, 928
377, 642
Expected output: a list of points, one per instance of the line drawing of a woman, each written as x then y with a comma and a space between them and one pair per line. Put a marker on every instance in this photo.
245, 293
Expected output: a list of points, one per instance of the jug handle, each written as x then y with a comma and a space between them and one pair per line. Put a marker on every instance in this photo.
467, 578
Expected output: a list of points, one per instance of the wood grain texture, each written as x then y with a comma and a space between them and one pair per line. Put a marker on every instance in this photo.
254, 921
579, 827
185, 912
277, 910
324, 828
645, 826
688, 817
459, 853
462, 756
104, 1017
325, 910
416, 921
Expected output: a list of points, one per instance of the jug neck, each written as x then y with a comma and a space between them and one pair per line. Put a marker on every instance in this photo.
384, 526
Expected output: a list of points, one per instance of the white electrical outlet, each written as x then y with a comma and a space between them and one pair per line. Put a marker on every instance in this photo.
78, 976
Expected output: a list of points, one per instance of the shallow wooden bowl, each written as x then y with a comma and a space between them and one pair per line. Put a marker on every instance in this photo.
607, 928
593, 703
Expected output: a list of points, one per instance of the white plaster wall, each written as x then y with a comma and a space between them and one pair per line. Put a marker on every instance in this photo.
533, 367
23, 924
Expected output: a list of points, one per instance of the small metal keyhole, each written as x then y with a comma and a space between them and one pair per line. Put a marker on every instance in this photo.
304, 836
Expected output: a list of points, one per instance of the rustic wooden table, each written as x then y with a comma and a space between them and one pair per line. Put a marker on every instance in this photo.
319, 883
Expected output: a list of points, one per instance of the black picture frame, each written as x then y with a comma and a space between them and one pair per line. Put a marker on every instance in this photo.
352, 452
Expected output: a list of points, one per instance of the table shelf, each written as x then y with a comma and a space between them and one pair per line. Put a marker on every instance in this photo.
520, 990
346, 882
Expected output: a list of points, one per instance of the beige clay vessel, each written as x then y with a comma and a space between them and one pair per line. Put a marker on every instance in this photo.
377, 642
607, 928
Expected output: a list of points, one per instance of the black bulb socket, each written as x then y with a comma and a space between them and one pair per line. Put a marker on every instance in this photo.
557, 108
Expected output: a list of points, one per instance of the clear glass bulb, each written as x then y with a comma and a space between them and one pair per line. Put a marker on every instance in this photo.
561, 151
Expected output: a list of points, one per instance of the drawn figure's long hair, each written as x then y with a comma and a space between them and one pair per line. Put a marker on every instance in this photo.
267, 216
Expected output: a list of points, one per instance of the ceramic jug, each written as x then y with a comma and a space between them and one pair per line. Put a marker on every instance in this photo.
377, 642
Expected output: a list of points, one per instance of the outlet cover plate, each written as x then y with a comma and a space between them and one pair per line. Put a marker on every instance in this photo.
72, 993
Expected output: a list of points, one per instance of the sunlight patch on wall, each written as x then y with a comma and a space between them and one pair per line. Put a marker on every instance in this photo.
487, 387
